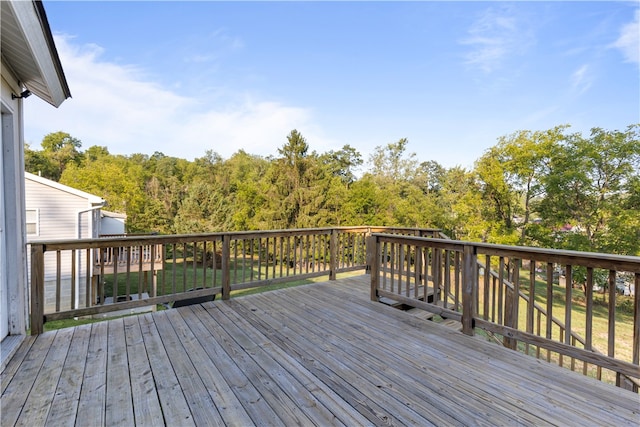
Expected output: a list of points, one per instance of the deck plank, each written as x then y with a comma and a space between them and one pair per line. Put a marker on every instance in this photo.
119, 404
175, 408
39, 401
548, 393
409, 363
14, 363
326, 395
65, 403
280, 372
146, 405
226, 402
481, 370
335, 369
17, 390
288, 411
356, 357
319, 354
202, 407
91, 407
256, 407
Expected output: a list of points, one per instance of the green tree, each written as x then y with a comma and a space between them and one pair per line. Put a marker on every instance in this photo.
510, 176
590, 191
116, 179
293, 185
37, 162
61, 149
391, 163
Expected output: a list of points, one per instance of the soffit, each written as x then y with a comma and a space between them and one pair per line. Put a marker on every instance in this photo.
29, 50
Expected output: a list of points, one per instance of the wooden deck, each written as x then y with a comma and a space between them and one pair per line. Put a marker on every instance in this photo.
319, 354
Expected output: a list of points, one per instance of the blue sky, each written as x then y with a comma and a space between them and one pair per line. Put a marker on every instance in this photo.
451, 77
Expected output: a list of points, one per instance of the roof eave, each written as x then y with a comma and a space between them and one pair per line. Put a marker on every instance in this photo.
49, 82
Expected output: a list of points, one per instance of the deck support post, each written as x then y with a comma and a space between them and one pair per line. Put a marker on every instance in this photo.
469, 286
226, 267
37, 289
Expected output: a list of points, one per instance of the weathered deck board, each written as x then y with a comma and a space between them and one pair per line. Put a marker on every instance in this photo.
146, 405
320, 354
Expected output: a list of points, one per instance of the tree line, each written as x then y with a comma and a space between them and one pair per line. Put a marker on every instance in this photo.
550, 188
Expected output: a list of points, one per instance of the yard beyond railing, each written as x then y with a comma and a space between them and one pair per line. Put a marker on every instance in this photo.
523, 297
74, 278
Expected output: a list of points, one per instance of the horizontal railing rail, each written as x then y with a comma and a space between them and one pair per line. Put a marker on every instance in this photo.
88, 277
525, 296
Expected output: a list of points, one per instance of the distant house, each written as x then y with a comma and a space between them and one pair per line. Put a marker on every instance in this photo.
30, 65
112, 223
57, 211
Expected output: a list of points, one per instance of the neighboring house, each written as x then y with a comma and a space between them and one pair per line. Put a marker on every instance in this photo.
57, 211
112, 223
30, 64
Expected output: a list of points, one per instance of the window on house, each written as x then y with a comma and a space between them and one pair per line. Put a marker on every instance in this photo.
32, 222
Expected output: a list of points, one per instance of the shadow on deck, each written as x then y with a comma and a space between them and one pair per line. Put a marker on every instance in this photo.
318, 354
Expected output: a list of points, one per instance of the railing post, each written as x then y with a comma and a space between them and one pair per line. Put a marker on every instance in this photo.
333, 255
226, 267
37, 289
469, 287
373, 261
512, 301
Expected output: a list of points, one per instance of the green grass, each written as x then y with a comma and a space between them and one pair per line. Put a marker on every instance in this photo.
600, 320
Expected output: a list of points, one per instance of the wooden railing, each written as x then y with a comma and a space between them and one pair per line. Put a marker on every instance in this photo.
524, 296
75, 278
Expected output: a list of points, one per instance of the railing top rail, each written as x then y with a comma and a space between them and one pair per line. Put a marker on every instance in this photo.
142, 240
589, 259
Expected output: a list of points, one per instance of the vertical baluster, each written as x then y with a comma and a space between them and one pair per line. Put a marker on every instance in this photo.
588, 315
611, 345
485, 286
58, 278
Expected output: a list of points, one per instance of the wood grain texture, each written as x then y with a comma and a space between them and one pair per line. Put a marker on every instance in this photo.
319, 354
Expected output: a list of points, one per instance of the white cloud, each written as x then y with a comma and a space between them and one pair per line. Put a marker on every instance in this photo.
116, 106
494, 36
581, 79
629, 40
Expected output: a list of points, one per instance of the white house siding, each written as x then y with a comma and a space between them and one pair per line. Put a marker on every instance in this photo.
29, 60
62, 215
13, 265
112, 223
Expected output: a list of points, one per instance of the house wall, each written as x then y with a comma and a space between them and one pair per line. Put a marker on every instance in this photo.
110, 225
13, 260
57, 212
61, 215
